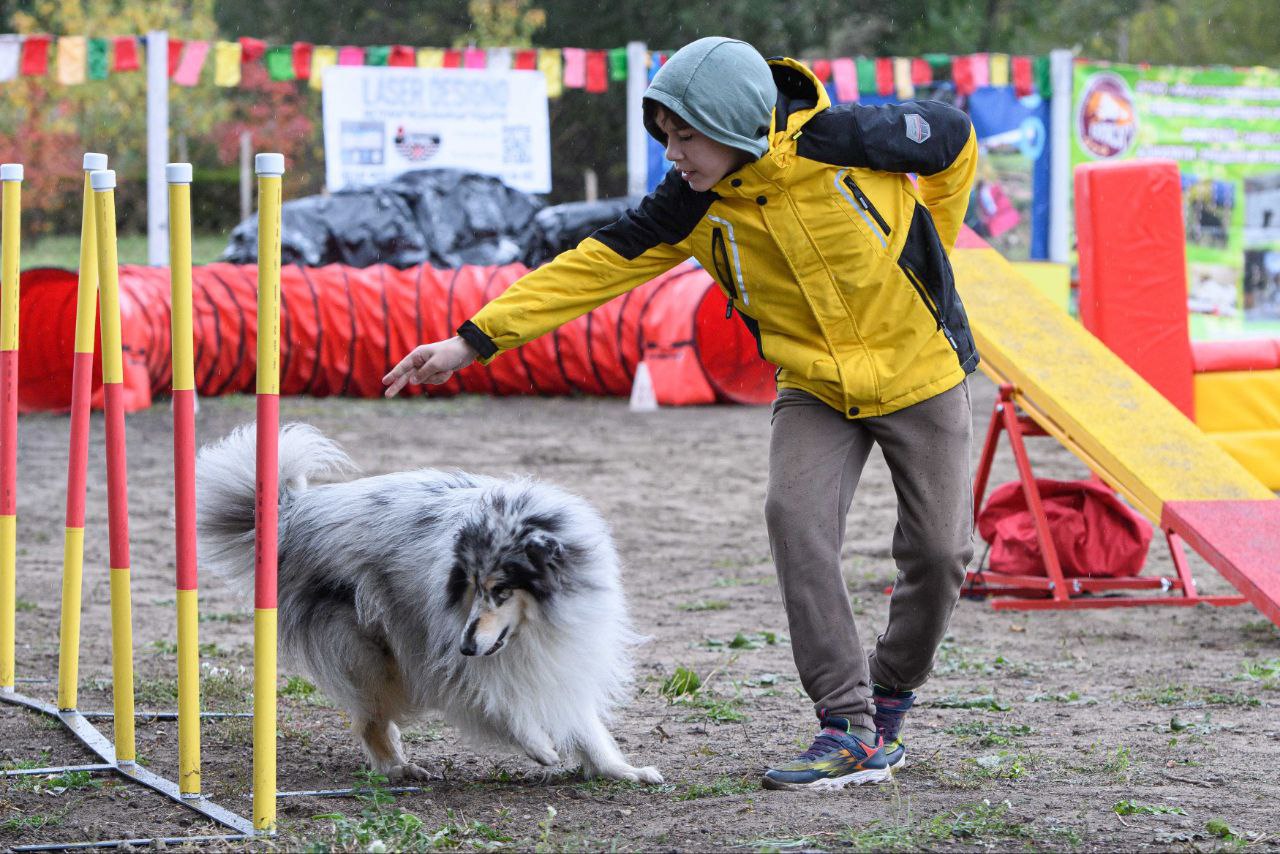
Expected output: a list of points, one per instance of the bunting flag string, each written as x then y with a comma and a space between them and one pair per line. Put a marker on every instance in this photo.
72, 60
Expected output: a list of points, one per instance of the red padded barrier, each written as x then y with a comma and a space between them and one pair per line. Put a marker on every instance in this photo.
342, 328
1261, 354
1133, 274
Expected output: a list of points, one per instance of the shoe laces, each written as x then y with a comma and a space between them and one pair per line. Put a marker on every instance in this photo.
826, 741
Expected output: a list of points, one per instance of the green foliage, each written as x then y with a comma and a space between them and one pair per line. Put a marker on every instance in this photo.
1219, 828
705, 605
986, 701
720, 787
297, 687
1128, 807
988, 734
683, 681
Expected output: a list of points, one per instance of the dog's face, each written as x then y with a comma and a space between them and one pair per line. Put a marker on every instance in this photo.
503, 573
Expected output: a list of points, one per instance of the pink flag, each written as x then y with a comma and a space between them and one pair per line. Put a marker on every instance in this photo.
845, 73
351, 55
474, 57
575, 67
191, 63
981, 65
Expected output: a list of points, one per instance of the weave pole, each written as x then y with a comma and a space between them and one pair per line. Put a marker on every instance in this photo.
104, 208
178, 176
270, 170
10, 234
78, 451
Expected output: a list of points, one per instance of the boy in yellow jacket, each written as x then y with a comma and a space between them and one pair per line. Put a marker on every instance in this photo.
837, 264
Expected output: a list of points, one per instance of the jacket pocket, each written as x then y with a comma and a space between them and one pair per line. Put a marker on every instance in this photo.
723, 269
859, 201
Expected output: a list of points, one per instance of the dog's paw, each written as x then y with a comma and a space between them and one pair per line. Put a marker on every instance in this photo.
545, 755
648, 774
407, 773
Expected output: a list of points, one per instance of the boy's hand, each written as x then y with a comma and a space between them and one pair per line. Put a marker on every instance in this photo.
430, 364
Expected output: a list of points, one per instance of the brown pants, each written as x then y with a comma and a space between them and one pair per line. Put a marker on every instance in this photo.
816, 457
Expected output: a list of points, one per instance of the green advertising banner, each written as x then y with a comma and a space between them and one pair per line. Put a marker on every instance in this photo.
1222, 126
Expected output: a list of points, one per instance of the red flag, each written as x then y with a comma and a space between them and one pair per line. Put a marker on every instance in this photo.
822, 70
302, 60
126, 51
452, 58
526, 60
402, 56
1022, 85
251, 50
921, 72
35, 56
597, 71
884, 75
962, 75
175, 54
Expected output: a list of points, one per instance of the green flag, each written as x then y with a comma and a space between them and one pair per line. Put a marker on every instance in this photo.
866, 76
279, 61
1043, 76
98, 60
618, 63
940, 63
377, 55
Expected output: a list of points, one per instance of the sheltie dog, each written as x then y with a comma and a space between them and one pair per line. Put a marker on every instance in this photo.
496, 602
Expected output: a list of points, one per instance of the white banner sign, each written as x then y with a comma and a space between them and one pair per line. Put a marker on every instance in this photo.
383, 122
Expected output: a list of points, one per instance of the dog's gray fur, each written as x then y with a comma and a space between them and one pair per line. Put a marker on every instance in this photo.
381, 580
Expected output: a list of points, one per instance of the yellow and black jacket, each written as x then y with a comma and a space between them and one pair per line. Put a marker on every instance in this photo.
833, 258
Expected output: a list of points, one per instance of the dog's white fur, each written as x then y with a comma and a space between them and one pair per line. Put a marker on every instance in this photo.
366, 609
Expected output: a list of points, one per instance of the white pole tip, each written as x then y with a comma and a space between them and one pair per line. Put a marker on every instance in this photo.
11, 172
104, 179
178, 173
94, 162
268, 164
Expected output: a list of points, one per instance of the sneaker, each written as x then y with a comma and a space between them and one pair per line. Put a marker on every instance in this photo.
835, 759
891, 707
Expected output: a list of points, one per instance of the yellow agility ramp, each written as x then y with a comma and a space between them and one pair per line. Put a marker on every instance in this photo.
1081, 393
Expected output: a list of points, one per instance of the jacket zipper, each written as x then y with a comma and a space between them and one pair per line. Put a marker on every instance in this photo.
718, 252
866, 204
929, 304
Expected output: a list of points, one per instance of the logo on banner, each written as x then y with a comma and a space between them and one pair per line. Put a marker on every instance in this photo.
1107, 123
416, 147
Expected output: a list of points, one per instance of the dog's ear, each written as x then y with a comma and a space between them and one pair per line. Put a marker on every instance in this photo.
544, 551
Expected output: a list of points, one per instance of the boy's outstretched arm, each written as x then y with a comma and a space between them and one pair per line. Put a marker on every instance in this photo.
929, 138
645, 242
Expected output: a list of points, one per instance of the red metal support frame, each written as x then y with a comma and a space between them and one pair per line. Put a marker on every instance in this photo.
1053, 590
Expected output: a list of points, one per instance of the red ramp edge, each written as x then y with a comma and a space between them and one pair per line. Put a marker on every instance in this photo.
1240, 539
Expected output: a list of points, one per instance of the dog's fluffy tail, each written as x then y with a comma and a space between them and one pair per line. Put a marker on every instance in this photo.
226, 491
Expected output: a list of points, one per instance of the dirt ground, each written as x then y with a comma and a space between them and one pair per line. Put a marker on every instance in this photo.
1130, 729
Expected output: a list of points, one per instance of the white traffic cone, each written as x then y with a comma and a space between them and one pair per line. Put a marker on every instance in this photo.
642, 396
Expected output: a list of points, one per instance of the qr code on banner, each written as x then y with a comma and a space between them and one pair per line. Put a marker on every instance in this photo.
516, 142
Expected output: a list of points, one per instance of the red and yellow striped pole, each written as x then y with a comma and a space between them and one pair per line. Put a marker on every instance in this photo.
10, 234
270, 170
104, 209
178, 175
78, 454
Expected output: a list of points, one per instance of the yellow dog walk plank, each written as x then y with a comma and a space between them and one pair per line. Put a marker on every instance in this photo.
1142, 443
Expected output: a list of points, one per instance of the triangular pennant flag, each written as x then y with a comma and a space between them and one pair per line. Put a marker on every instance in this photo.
500, 59
175, 54
430, 57
35, 56
618, 64
226, 64
193, 57
884, 75
402, 56
71, 56
10, 52
903, 88
1022, 83
251, 50
549, 63
452, 58
845, 74
126, 54
349, 55
97, 61
575, 68
473, 57
279, 62
526, 60
980, 68
597, 71
377, 55
1042, 70
921, 72
999, 69
322, 56
821, 69
302, 52
962, 75
866, 75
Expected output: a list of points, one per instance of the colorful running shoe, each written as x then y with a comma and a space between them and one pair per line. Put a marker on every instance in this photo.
891, 708
835, 759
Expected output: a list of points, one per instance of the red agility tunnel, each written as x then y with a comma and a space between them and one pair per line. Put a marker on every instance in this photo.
342, 329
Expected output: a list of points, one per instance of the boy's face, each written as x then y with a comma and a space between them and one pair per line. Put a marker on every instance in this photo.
701, 160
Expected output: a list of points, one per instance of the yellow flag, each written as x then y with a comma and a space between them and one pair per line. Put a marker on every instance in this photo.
226, 64
902, 84
999, 69
549, 63
71, 58
322, 56
430, 57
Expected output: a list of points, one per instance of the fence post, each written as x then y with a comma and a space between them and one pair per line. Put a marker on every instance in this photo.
157, 147
637, 136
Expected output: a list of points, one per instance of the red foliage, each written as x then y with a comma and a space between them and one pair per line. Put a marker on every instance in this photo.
274, 112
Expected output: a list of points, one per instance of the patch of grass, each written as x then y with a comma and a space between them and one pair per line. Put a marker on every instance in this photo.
24, 605
959, 659
164, 647
297, 687
683, 681
982, 733
55, 784
153, 693
1188, 696
1127, 807
718, 710
721, 786
986, 701
878, 836
1071, 698
30, 822
1218, 827
63, 250
229, 617
705, 605
738, 581
1118, 762
1003, 765
981, 821
741, 640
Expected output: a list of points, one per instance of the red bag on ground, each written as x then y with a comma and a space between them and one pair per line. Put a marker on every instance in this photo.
1094, 532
